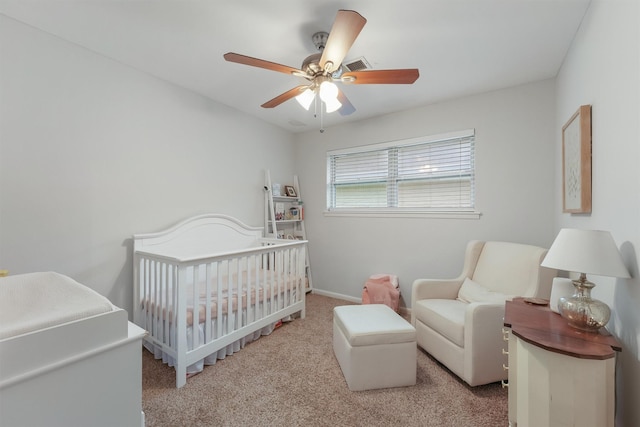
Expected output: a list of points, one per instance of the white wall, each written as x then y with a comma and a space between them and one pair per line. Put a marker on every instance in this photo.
92, 151
603, 69
515, 145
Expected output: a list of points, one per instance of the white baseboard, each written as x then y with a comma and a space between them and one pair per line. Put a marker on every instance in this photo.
337, 296
404, 311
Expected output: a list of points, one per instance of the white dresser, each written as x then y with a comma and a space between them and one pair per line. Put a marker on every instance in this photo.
558, 375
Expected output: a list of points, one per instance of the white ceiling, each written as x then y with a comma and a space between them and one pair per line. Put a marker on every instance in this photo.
461, 47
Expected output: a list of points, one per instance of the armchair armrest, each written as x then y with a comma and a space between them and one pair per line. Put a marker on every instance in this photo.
481, 316
435, 288
448, 288
483, 339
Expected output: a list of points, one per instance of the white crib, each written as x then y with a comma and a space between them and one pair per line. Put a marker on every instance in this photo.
219, 275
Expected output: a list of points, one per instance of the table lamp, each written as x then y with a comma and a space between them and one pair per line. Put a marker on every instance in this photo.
585, 251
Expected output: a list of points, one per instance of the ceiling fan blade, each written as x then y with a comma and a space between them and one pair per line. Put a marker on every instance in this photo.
403, 76
347, 108
261, 63
344, 32
291, 93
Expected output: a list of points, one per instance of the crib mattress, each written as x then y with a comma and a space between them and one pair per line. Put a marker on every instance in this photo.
35, 301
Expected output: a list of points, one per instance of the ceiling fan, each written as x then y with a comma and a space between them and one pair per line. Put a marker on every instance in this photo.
322, 69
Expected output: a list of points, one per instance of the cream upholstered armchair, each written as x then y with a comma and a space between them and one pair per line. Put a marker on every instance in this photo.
459, 321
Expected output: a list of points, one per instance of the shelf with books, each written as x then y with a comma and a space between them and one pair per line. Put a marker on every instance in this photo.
284, 215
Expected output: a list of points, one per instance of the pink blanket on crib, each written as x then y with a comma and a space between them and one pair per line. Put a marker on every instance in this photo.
382, 289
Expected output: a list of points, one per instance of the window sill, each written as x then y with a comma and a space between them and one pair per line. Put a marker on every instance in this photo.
372, 213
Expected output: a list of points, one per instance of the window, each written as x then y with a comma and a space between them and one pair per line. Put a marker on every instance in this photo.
429, 174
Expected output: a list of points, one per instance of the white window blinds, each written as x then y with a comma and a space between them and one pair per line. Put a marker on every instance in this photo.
422, 174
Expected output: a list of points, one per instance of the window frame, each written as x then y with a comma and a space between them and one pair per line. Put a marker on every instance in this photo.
449, 213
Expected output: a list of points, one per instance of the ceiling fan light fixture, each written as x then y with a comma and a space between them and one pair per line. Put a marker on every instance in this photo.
306, 98
332, 105
328, 91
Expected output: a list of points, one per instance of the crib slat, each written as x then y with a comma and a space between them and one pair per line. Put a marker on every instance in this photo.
207, 308
180, 315
286, 274
278, 281
148, 312
142, 322
219, 302
272, 282
254, 298
239, 281
162, 285
195, 297
264, 285
156, 297
249, 290
164, 298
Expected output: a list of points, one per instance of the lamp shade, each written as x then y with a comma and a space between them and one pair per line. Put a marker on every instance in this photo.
586, 251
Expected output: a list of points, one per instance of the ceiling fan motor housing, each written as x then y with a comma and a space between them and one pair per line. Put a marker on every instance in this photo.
311, 64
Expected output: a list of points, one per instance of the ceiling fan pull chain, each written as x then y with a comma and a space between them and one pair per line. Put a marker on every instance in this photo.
321, 119
315, 107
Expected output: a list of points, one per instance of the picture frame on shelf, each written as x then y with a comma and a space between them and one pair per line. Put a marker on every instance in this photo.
290, 191
576, 162
294, 213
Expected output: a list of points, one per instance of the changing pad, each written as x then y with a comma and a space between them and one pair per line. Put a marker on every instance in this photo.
34, 301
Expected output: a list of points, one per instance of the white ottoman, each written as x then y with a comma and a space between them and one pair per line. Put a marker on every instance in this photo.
375, 347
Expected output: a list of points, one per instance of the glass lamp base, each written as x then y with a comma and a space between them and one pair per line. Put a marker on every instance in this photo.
583, 312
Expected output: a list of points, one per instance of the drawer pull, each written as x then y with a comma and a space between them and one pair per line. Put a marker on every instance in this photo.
505, 367
505, 335
505, 384
505, 352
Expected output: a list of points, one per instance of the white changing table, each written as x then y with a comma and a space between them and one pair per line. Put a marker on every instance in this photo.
81, 372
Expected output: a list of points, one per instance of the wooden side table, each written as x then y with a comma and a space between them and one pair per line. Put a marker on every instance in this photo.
558, 375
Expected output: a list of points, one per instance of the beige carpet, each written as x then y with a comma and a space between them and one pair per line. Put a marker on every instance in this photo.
291, 378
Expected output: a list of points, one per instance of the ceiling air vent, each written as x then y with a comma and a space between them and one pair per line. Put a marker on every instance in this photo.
358, 64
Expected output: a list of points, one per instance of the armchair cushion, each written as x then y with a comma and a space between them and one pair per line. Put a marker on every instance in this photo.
471, 291
445, 316
513, 268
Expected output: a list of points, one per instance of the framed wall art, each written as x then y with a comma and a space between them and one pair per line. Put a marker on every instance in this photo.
576, 162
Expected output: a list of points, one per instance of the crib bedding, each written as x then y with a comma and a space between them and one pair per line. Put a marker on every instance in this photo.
257, 299
260, 295
35, 301
249, 289
217, 328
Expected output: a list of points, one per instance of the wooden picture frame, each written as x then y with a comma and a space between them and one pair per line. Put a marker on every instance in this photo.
289, 191
576, 162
